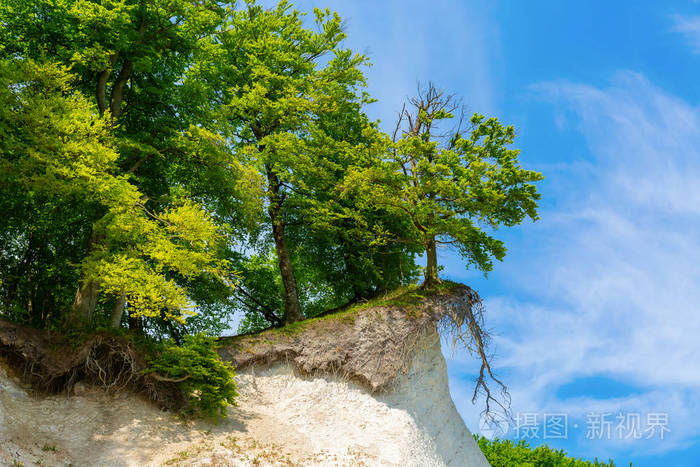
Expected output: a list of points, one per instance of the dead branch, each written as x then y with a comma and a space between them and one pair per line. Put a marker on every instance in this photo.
165, 379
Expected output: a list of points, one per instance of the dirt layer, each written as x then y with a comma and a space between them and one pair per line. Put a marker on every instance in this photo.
368, 345
49, 363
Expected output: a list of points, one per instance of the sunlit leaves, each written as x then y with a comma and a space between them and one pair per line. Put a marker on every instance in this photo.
287, 98
57, 145
454, 191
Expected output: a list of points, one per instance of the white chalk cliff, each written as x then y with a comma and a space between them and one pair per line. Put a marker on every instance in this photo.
358, 402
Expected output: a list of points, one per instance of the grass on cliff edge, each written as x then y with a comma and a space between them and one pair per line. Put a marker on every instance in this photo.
405, 297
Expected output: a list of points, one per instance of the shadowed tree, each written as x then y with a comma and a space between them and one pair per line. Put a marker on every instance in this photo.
56, 147
128, 57
270, 83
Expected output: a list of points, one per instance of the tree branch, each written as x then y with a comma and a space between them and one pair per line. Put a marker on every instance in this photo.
264, 310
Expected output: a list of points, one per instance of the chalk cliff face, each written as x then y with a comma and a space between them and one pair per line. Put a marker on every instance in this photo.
363, 389
412, 423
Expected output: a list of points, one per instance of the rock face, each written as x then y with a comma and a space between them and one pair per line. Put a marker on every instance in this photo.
363, 389
412, 423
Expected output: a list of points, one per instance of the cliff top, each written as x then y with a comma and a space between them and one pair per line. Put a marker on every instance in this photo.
368, 342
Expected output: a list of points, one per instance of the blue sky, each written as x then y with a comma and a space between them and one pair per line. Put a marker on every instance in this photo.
597, 305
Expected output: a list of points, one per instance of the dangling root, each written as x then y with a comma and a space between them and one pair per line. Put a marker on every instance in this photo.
463, 321
52, 365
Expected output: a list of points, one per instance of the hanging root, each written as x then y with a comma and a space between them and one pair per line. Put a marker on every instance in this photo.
463, 321
112, 364
52, 365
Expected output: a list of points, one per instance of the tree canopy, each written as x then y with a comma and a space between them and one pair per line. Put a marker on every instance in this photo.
451, 184
167, 164
58, 152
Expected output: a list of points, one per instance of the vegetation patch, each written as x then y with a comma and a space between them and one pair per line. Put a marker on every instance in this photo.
206, 382
408, 298
194, 159
190, 379
506, 453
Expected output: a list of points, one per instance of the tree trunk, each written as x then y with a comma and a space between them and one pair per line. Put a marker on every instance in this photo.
86, 296
431, 269
118, 89
101, 90
136, 324
118, 310
101, 86
84, 304
115, 105
292, 309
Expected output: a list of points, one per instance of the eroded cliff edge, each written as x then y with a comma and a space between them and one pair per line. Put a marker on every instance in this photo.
365, 386
371, 344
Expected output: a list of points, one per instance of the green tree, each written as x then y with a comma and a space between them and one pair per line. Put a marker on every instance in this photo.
128, 54
205, 382
506, 453
270, 84
56, 147
451, 184
129, 58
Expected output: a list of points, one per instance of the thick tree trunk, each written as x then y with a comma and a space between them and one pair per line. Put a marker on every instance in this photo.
118, 89
88, 291
292, 308
84, 304
135, 324
101, 90
431, 269
118, 311
101, 86
115, 105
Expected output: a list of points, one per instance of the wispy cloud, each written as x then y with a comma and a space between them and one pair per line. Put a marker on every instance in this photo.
411, 41
689, 26
616, 291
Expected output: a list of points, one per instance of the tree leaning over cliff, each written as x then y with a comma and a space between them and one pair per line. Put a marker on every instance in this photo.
451, 184
269, 81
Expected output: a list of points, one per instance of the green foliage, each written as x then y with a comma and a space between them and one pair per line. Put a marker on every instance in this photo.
450, 190
260, 293
168, 163
56, 147
206, 382
51, 152
506, 453
289, 99
127, 61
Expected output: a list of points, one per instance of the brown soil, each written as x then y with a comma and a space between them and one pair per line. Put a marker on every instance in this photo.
50, 363
368, 345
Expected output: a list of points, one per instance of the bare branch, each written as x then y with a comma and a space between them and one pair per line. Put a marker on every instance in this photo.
164, 379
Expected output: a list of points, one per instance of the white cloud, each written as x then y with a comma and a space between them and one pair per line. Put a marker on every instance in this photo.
689, 26
453, 43
616, 290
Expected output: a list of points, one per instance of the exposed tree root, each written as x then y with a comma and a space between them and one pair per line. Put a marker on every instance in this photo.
464, 324
52, 364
